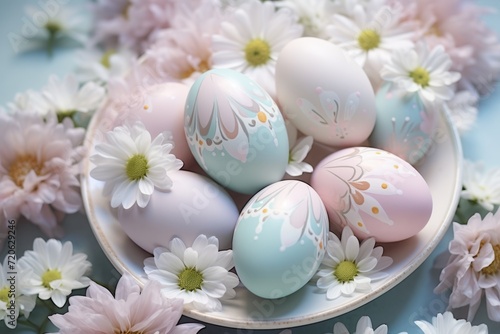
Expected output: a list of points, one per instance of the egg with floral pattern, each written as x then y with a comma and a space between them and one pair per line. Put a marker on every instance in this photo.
324, 93
374, 192
404, 126
279, 240
235, 131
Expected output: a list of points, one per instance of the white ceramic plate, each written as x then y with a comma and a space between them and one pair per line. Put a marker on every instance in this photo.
442, 169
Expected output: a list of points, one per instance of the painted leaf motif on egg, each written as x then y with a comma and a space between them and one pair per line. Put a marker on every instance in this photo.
227, 114
299, 214
360, 179
330, 113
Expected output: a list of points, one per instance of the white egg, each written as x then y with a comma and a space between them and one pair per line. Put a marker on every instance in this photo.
195, 205
324, 93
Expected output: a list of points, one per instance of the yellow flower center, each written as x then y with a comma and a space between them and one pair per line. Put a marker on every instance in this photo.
125, 10
61, 115
106, 57
137, 167
420, 76
4, 294
22, 166
368, 39
49, 276
202, 67
494, 267
345, 271
53, 27
257, 52
190, 279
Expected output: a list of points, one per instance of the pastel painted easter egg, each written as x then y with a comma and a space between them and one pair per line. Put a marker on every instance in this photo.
324, 93
163, 110
404, 125
195, 205
279, 239
374, 192
236, 131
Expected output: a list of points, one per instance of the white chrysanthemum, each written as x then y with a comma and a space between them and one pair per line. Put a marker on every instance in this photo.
296, 165
371, 38
314, 15
473, 269
130, 311
446, 323
251, 38
54, 270
481, 186
38, 170
364, 326
66, 98
198, 274
422, 71
16, 296
348, 266
132, 166
462, 109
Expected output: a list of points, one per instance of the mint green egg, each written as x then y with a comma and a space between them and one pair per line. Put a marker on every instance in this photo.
235, 131
404, 126
279, 240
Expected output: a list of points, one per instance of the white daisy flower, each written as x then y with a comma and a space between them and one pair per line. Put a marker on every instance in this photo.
480, 185
61, 23
251, 38
68, 99
132, 166
314, 15
100, 66
23, 303
473, 269
371, 38
422, 71
446, 323
296, 165
54, 270
364, 326
348, 266
198, 274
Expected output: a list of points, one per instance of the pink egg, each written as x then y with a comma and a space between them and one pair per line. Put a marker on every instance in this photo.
374, 192
163, 110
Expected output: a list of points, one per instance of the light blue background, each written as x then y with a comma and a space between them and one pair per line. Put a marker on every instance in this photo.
410, 300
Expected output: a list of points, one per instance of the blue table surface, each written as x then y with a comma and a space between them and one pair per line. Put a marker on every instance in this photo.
411, 300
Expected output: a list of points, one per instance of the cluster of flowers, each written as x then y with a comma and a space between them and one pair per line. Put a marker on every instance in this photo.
443, 52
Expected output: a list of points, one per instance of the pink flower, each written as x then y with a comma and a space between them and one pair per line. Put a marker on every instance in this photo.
473, 269
184, 51
38, 170
130, 311
131, 23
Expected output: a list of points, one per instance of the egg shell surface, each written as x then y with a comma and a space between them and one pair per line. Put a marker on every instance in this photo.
163, 110
235, 131
374, 192
280, 238
404, 125
195, 205
324, 93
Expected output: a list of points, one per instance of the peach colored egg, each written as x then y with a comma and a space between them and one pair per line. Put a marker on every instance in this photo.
374, 192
